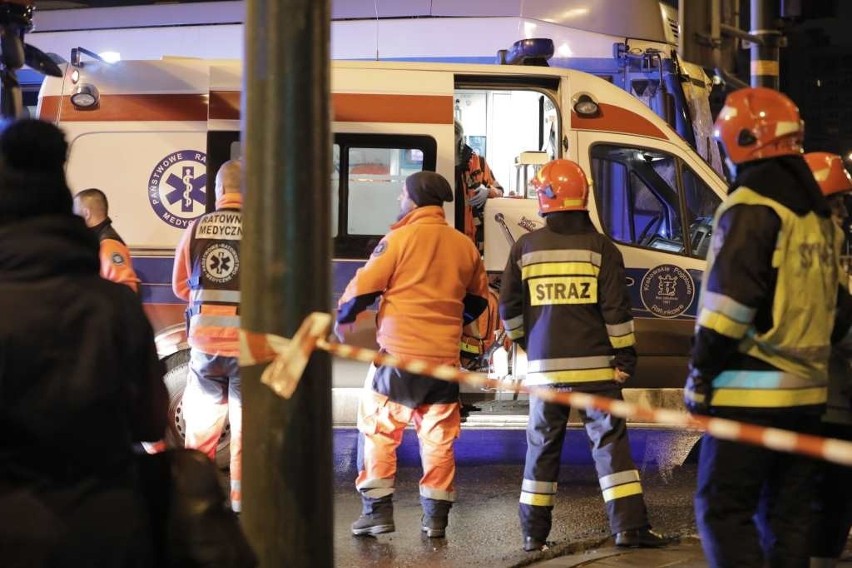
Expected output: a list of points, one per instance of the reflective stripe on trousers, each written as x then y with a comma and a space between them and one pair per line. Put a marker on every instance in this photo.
616, 471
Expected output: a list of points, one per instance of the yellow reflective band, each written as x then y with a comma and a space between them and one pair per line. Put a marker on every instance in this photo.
563, 290
537, 499
769, 398
579, 376
469, 348
621, 491
559, 269
622, 341
722, 324
515, 333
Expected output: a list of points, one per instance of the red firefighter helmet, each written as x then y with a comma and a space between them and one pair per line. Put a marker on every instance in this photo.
757, 123
829, 172
561, 185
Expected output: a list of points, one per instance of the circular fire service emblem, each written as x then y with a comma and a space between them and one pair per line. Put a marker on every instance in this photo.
177, 187
220, 263
667, 290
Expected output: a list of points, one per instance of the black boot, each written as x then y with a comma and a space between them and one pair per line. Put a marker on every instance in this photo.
435, 517
376, 517
532, 544
642, 538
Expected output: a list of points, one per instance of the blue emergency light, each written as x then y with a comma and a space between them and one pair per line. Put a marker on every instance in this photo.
533, 51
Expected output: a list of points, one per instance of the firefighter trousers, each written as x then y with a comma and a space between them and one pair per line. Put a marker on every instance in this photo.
753, 505
212, 394
381, 422
617, 474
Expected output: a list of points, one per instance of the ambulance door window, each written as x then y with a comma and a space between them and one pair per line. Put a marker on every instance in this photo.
636, 195
701, 203
367, 179
335, 188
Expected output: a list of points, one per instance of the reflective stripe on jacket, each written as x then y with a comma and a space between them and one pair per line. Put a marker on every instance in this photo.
206, 274
565, 297
794, 341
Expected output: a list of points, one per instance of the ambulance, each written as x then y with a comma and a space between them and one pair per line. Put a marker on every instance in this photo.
151, 134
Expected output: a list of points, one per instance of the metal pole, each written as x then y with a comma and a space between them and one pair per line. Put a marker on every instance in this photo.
287, 476
764, 57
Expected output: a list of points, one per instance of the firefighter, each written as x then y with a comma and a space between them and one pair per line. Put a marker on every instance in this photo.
833, 504
475, 178
92, 205
431, 281
206, 274
564, 300
762, 338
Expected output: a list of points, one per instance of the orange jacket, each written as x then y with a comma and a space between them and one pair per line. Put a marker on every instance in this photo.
476, 172
116, 264
431, 280
212, 339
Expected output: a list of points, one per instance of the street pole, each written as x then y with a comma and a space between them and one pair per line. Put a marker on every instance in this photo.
764, 55
287, 474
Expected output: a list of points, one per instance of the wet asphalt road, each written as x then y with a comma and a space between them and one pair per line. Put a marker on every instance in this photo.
484, 529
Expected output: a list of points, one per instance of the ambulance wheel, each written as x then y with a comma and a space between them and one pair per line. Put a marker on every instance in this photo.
177, 369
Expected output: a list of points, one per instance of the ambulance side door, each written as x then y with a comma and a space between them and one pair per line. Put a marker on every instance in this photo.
657, 205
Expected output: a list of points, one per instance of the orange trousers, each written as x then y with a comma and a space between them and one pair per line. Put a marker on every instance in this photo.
382, 422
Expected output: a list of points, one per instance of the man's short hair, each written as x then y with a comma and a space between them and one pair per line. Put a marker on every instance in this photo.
94, 198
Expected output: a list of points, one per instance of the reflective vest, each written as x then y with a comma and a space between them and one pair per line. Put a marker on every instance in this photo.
214, 283
797, 345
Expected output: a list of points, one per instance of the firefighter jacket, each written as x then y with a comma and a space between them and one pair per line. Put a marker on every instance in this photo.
564, 297
115, 258
767, 304
80, 381
206, 274
431, 280
474, 172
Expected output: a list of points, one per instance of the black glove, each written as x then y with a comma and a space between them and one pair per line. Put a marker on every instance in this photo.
625, 360
697, 392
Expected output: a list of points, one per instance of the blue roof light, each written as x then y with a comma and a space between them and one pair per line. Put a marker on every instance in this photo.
533, 51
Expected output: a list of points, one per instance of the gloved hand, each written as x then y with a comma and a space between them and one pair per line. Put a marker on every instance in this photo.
697, 392
479, 196
625, 361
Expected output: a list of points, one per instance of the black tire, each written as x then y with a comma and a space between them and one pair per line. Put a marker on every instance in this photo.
177, 368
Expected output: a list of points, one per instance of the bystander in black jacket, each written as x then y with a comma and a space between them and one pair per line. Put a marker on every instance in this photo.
80, 380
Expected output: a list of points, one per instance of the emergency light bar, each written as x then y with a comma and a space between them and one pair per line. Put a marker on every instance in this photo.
533, 51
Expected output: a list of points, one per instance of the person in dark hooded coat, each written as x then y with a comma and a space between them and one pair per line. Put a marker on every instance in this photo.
80, 380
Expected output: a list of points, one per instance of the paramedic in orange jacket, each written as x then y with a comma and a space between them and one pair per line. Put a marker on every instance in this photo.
431, 281
92, 205
206, 274
475, 176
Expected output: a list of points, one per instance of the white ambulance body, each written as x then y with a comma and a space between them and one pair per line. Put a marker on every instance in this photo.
631, 44
160, 130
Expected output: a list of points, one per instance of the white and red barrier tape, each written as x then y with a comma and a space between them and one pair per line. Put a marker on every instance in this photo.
290, 357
